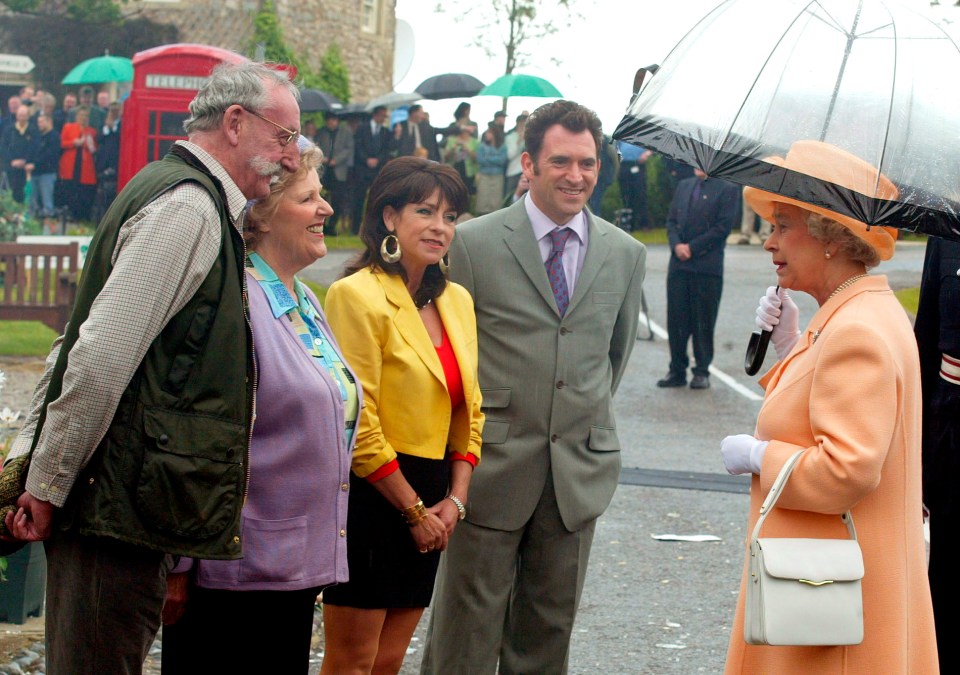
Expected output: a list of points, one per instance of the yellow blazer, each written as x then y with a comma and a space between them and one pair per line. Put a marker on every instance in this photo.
406, 405
849, 396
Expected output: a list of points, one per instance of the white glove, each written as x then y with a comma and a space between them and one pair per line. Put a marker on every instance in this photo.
779, 313
742, 453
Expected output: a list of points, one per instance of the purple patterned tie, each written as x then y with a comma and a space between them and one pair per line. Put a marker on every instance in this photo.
554, 265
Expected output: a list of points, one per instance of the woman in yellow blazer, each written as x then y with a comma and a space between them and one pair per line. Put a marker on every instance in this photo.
411, 337
846, 391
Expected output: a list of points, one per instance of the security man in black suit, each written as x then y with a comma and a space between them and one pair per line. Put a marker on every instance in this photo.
937, 328
371, 149
702, 213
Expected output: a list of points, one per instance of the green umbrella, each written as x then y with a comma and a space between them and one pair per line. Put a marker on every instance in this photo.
520, 85
101, 69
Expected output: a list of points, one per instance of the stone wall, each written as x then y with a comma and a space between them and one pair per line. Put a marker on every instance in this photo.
309, 28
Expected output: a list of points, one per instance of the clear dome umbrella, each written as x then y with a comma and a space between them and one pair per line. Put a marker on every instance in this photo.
871, 77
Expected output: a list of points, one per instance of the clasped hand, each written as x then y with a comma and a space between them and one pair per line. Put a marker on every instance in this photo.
32, 520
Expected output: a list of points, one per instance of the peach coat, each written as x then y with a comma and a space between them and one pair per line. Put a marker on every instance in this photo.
849, 394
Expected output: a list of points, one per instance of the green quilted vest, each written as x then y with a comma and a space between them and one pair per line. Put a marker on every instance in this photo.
170, 474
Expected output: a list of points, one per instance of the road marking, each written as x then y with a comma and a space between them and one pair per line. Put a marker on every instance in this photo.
685, 480
748, 394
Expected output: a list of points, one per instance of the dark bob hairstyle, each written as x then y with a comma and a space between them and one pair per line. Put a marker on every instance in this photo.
402, 181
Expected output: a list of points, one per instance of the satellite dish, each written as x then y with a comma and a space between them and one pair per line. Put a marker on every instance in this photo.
402, 51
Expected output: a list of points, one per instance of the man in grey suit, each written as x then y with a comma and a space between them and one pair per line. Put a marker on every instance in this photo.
557, 297
336, 142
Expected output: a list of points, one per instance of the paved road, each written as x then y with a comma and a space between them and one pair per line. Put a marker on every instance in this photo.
665, 607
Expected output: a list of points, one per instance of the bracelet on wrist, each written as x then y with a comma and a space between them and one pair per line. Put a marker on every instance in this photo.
461, 509
414, 514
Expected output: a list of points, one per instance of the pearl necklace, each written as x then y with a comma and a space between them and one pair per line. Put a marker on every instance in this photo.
847, 284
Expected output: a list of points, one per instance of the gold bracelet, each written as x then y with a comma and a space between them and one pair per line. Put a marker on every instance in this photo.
414, 514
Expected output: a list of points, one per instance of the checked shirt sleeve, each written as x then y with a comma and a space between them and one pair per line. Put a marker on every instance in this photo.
162, 256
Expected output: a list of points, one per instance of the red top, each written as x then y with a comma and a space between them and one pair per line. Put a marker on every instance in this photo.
451, 372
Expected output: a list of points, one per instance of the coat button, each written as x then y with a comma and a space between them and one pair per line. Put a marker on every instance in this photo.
90, 480
343, 533
236, 540
163, 440
344, 486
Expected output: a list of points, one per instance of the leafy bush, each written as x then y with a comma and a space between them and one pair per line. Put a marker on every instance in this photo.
14, 219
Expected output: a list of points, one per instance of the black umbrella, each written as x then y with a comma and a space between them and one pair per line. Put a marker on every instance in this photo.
316, 100
753, 77
450, 85
353, 110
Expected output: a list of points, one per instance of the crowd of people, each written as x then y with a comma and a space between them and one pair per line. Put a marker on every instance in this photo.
61, 160
356, 146
212, 450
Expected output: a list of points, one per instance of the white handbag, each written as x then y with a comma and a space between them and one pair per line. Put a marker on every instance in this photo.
803, 591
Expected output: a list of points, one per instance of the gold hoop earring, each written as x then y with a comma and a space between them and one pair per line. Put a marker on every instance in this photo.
444, 265
385, 253
826, 254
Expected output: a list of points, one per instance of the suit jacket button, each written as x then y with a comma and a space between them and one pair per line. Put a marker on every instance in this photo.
554, 438
564, 330
560, 384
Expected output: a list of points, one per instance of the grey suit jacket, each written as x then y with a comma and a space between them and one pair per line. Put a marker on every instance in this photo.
338, 146
547, 381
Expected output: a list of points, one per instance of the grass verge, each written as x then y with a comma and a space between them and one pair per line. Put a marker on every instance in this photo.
909, 298
25, 338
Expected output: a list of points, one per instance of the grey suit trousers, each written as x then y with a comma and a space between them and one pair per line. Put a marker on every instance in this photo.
510, 596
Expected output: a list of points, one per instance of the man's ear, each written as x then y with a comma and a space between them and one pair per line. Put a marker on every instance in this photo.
231, 123
527, 164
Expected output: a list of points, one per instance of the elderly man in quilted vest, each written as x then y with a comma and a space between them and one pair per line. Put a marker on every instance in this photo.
138, 437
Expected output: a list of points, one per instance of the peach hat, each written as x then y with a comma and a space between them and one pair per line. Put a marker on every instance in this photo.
830, 163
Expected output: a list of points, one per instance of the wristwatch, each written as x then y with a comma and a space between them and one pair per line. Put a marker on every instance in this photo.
461, 509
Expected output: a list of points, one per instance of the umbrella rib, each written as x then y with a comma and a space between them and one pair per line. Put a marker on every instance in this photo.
760, 70
851, 36
893, 90
833, 22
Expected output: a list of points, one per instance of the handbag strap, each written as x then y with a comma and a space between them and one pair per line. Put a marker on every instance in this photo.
774, 495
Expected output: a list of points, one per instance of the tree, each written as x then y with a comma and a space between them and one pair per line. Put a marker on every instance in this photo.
93, 11
334, 77
267, 42
514, 24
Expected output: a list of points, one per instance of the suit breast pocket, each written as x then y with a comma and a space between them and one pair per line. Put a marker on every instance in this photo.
607, 298
606, 307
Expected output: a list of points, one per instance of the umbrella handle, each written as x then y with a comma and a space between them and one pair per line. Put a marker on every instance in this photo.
757, 349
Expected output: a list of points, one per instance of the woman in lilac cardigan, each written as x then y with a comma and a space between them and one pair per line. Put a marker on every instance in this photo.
256, 614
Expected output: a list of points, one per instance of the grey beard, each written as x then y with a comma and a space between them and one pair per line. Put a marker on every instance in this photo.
265, 168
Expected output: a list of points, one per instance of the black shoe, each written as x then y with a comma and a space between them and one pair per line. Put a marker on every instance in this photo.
700, 382
673, 380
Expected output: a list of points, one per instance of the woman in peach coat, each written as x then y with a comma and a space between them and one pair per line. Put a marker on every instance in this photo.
846, 391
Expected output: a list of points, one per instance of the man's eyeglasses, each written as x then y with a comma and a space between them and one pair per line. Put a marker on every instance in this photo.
284, 140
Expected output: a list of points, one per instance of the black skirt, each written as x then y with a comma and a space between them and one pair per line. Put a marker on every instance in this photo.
386, 568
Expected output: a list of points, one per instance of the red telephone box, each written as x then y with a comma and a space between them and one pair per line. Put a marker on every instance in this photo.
165, 80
